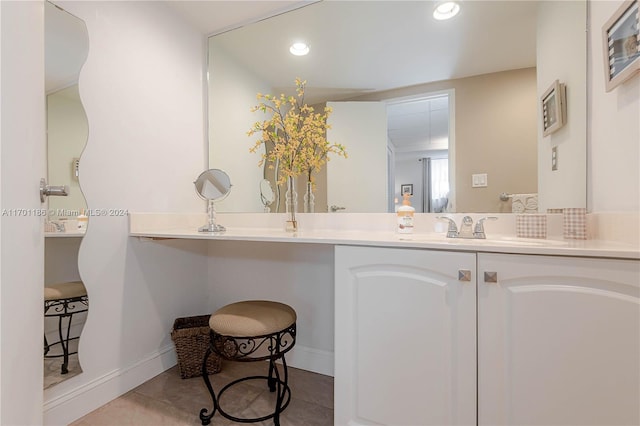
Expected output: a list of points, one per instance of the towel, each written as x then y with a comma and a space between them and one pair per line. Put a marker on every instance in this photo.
524, 203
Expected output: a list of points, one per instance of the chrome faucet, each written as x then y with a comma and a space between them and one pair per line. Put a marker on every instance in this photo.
466, 227
452, 231
478, 231
59, 226
466, 230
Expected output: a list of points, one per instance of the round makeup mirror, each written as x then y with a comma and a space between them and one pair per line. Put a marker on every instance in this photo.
212, 185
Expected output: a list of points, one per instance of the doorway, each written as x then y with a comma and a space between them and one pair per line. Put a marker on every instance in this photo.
421, 151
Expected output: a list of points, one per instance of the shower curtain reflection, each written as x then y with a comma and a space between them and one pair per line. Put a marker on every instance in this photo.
435, 185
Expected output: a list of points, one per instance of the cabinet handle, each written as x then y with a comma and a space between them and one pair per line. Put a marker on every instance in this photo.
490, 277
464, 275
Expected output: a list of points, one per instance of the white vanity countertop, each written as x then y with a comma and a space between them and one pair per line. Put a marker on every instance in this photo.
141, 226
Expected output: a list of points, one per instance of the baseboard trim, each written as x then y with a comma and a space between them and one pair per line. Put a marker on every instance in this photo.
69, 406
311, 359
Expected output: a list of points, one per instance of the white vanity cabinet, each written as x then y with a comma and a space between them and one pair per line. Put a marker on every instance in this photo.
558, 341
405, 336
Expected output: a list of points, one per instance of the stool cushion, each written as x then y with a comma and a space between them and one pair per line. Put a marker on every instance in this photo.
64, 290
252, 318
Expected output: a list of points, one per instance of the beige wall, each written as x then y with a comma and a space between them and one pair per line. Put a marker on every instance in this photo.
495, 133
67, 132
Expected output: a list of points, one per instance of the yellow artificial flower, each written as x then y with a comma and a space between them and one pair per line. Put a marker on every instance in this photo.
295, 135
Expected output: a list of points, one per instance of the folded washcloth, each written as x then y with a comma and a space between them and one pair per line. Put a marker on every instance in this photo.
524, 203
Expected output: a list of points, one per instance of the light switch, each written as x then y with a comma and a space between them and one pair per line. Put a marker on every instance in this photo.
554, 158
479, 180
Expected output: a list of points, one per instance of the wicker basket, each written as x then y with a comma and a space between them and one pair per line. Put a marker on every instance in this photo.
191, 338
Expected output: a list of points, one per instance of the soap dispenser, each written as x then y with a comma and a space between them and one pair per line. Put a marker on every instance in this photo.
405, 215
83, 219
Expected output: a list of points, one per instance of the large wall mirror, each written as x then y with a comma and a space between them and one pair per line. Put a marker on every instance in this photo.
453, 106
66, 49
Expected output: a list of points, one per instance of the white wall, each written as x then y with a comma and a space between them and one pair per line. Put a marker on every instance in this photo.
300, 275
561, 55
362, 128
142, 88
23, 164
614, 155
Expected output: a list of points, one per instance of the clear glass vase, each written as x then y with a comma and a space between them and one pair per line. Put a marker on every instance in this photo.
291, 205
309, 199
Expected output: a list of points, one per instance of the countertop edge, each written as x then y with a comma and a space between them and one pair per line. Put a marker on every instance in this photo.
574, 248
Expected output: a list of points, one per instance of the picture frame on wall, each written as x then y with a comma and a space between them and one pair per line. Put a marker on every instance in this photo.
554, 108
406, 188
621, 44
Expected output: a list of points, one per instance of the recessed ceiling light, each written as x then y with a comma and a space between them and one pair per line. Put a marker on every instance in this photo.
299, 49
446, 10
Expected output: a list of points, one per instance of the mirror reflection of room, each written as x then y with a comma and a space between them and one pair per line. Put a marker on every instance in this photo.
66, 300
486, 130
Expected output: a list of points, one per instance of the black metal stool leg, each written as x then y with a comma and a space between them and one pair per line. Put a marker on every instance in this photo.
204, 417
279, 397
282, 389
271, 381
64, 342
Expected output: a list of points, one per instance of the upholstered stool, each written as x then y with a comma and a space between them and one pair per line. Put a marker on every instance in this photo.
64, 300
255, 330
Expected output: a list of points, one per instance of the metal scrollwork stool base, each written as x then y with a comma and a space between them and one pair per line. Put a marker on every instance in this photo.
251, 331
63, 301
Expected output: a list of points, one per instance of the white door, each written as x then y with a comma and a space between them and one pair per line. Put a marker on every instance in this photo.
558, 341
22, 232
405, 337
358, 184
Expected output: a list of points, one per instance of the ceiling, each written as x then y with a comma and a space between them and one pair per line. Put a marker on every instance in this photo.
419, 125
364, 46
359, 47
215, 16
472, 43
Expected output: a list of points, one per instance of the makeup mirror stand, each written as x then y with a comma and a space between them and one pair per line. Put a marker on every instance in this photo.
212, 185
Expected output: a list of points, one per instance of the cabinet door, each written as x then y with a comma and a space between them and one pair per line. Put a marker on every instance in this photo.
558, 341
405, 345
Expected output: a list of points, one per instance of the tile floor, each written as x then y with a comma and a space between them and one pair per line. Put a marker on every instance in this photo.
169, 400
52, 366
